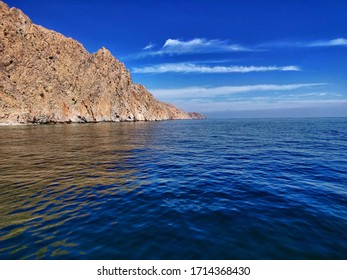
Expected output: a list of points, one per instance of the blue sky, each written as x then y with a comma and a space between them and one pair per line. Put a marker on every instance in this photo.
243, 58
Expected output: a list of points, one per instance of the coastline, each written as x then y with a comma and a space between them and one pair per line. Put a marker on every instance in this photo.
65, 83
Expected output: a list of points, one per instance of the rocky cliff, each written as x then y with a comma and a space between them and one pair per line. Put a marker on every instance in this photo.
48, 78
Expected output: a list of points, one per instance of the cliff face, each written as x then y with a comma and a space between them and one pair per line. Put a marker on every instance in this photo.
46, 77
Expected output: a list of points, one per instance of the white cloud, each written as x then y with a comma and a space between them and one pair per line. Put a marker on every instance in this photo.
149, 46
197, 45
194, 68
304, 44
244, 105
205, 92
200, 45
204, 46
329, 43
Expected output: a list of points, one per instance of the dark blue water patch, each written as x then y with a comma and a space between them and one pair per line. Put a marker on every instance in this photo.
215, 189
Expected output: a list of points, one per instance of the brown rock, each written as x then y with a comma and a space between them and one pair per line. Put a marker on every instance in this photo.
196, 116
48, 78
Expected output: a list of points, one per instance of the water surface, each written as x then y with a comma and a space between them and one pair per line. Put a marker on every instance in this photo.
213, 189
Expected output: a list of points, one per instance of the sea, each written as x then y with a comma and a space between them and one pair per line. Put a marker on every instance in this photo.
190, 189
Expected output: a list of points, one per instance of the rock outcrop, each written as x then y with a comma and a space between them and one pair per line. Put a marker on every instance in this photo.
48, 78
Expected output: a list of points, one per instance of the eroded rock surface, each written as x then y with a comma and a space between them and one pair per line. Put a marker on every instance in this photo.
46, 77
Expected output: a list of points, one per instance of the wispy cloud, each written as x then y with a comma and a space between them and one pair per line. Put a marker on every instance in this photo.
243, 105
329, 43
149, 46
195, 68
259, 97
214, 46
204, 92
195, 46
200, 45
304, 44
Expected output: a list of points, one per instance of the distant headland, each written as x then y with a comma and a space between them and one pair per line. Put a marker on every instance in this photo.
46, 77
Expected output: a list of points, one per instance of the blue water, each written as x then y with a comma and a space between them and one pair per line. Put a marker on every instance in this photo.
211, 189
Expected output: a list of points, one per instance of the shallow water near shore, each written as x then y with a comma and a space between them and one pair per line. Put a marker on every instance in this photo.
211, 189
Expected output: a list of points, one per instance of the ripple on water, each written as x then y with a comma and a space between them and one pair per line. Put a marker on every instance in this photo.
215, 189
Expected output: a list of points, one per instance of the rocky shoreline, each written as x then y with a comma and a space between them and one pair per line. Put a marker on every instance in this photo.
46, 77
